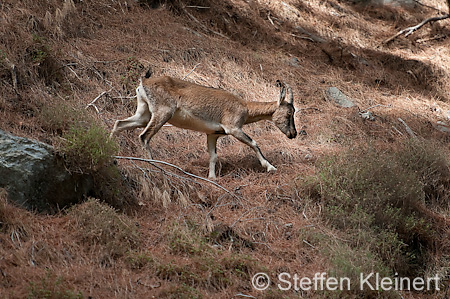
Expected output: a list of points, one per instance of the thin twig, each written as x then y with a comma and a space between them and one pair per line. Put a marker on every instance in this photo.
303, 37
151, 161
245, 213
128, 97
397, 130
243, 295
191, 70
13, 70
436, 37
270, 20
309, 244
70, 69
95, 100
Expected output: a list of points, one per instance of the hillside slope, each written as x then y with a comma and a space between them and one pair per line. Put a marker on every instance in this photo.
177, 236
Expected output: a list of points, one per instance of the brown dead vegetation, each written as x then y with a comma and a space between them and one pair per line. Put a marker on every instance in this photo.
186, 237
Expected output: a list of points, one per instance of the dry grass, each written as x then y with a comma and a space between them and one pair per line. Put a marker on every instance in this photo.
67, 53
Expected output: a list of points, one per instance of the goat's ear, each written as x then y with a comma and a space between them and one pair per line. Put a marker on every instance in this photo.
291, 95
282, 91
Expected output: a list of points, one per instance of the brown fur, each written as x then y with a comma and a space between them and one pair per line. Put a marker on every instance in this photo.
213, 111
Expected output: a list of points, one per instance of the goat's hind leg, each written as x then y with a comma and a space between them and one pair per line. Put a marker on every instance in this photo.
212, 149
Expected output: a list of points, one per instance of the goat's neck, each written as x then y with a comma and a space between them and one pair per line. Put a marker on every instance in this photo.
260, 110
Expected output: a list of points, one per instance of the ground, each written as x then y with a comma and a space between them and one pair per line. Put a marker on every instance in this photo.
173, 235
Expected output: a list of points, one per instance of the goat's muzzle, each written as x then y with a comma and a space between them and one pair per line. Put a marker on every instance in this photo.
292, 135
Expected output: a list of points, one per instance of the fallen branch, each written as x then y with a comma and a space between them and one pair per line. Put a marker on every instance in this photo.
95, 100
303, 37
191, 70
151, 161
309, 244
407, 128
244, 295
408, 31
314, 37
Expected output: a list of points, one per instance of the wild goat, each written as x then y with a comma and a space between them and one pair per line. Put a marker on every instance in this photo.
213, 111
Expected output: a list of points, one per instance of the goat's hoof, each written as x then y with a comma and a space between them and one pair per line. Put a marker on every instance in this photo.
271, 168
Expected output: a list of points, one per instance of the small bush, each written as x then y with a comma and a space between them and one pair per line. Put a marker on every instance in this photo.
51, 287
13, 220
181, 292
58, 116
87, 149
207, 268
138, 259
377, 198
42, 57
101, 226
429, 162
187, 239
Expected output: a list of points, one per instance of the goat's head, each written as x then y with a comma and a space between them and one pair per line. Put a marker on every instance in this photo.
283, 117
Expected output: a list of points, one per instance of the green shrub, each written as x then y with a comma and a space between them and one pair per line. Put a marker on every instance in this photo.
431, 164
182, 291
44, 61
58, 116
377, 199
139, 259
187, 239
207, 267
51, 287
102, 227
87, 149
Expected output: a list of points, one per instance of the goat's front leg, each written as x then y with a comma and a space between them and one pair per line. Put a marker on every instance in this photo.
212, 149
241, 136
158, 119
139, 120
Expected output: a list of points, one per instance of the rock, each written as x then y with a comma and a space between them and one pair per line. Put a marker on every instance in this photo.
333, 93
35, 177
